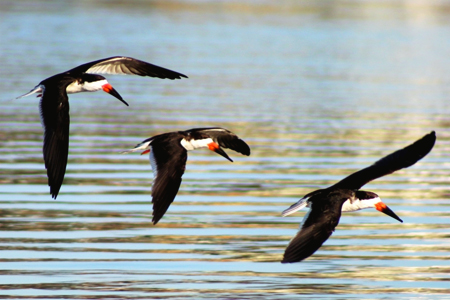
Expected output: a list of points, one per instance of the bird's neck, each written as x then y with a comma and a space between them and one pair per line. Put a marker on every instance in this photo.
79, 87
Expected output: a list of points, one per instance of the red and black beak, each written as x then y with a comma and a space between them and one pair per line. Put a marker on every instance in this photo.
216, 148
386, 210
110, 90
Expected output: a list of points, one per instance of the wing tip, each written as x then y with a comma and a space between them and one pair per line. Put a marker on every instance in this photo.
291, 260
288, 261
244, 148
172, 76
247, 151
432, 134
54, 185
53, 192
428, 142
156, 218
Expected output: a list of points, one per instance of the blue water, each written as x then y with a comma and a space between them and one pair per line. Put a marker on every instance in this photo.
318, 90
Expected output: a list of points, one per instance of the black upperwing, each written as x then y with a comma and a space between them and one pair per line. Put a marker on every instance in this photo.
126, 66
54, 107
170, 162
400, 159
318, 225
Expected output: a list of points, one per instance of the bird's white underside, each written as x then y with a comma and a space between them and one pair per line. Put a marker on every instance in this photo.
358, 204
348, 205
195, 144
76, 87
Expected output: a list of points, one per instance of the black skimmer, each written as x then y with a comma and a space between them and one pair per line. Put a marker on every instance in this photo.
326, 204
54, 104
168, 155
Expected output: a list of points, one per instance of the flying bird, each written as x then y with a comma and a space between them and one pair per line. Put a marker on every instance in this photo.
326, 205
168, 155
54, 104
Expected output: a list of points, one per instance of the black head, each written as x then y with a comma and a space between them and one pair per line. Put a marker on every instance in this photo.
373, 200
85, 77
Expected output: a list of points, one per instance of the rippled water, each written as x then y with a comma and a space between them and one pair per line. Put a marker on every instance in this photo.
318, 89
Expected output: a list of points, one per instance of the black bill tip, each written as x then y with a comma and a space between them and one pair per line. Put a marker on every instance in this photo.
386, 210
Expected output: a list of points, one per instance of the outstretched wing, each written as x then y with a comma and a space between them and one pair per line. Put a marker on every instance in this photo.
400, 159
168, 161
55, 118
317, 226
126, 66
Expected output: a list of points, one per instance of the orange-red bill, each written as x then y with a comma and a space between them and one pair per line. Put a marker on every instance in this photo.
213, 146
146, 151
380, 206
216, 148
107, 88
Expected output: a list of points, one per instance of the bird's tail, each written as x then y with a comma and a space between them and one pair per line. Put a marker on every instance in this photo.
295, 207
141, 146
37, 89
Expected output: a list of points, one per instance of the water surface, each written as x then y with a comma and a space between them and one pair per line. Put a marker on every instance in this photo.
318, 90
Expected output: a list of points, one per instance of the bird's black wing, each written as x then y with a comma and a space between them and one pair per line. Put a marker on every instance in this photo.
226, 139
169, 161
318, 225
55, 118
126, 66
400, 159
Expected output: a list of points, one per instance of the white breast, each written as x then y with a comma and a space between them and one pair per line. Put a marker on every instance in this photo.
76, 87
358, 204
195, 144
